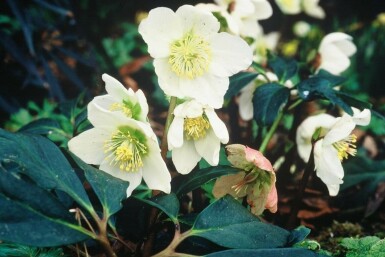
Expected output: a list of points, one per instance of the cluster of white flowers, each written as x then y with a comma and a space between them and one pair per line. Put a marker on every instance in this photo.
193, 62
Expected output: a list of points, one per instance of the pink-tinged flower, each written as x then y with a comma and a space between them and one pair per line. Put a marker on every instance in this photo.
256, 181
191, 59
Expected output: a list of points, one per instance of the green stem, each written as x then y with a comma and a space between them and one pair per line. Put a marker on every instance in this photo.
271, 132
170, 117
275, 124
178, 238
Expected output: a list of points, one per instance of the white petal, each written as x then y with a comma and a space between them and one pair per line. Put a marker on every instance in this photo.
185, 158
89, 145
135, 178
175, 133
361, 118
230, 54
340, 130
208, 147
143, 104
207, 89
159, 29
155, 172
289, 7
246, 108
306, 130
189, 109
312, 8
201, 22
328, 166
104, 101
114, 87
333, 60
102, 118
218, 126
168, 80
334, 38
263, 9
333, 189
251, 28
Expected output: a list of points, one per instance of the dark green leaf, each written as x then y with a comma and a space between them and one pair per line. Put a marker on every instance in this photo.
280, 252
183, 184
320, 88
299, 234
268, 100
43, 162
33, 216
239, 81
169, 204
333, 79
227, 223
44, 126
110, 190
284, 68
353, 101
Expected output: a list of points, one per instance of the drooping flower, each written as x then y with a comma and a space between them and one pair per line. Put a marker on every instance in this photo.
336, 143
122, 147
195, 132
334, 52
310, 7
256, 180
118, 98
192, 60
245, 101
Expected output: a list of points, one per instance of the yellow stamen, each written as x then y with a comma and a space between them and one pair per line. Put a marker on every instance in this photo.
125, 151
190, 56
195, 128
346, 147
121, 107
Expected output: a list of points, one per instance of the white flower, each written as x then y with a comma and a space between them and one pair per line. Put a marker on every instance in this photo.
310, 7
195, 132
336, 144
289, 6
132, 104
335, 50
301, 28
122, 147
193, 60
245, 101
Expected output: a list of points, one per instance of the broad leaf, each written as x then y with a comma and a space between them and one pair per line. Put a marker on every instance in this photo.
284, 68
43, 162
321, 88
110, 190
268, 100
44, 126
169, 204
33, 216
227, 223
183, 184
282, 252
239, 81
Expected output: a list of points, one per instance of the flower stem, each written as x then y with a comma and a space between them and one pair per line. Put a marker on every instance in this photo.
291, 224
270, 133
170, 117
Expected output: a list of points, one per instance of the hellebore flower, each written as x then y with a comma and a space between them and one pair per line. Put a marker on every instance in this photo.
122, 147
195, 132
335, 144
118, 98
334, 51
256, 180
310, 7
192, 60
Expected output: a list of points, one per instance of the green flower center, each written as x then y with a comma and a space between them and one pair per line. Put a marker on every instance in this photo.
195, 128
346, 147
126, 149
128, 108
190, 56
